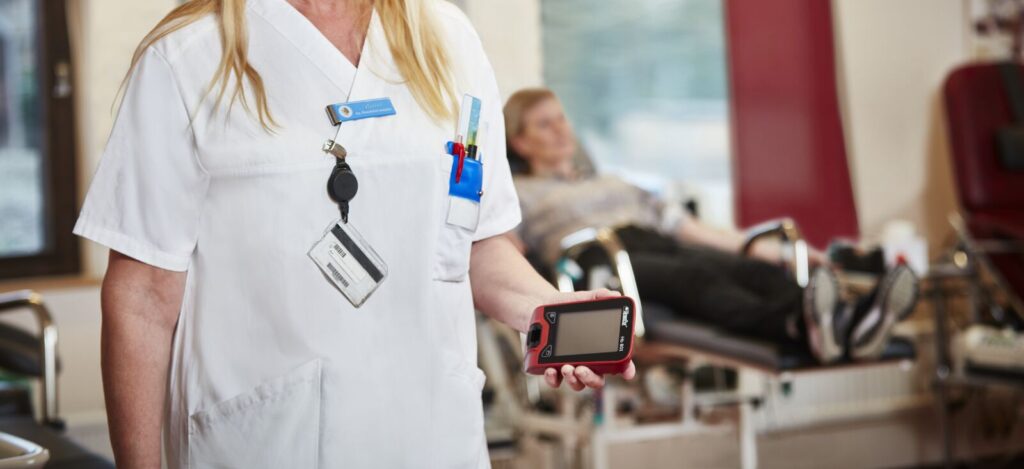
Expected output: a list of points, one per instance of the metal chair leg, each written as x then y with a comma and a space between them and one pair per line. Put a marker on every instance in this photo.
33, 301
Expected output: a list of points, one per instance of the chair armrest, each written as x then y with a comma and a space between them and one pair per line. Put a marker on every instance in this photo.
1000, 246
32, 301
783, 228
786, 230
975, 254
605, 238
986, 245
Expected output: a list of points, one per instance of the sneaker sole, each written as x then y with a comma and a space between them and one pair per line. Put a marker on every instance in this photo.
820, 298
895, 302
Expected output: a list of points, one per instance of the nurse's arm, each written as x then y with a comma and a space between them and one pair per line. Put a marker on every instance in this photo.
140, 306
505, 285
506, 288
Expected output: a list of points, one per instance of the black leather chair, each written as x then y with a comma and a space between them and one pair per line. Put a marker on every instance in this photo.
665, 337
658, 324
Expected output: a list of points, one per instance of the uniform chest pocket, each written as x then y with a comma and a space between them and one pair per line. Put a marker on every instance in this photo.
454, 243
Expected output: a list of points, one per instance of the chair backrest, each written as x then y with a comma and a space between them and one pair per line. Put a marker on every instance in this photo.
789, 153
977, 106
581, 161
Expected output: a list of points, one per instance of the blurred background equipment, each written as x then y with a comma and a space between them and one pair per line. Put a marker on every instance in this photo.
28, 440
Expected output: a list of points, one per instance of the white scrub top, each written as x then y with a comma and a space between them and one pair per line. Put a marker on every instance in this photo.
272, 367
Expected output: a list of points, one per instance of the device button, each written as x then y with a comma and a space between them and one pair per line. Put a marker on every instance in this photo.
551, 316
547, 352
533, 336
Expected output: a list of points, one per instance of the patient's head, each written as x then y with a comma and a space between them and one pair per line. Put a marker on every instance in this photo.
539, 138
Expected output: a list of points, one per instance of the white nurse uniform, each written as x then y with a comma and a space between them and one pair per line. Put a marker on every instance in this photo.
271, 366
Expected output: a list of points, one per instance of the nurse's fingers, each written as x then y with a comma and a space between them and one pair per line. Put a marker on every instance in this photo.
588, 295
581, 377
603, 293
552, 377
630, 372
589, 378
568, 372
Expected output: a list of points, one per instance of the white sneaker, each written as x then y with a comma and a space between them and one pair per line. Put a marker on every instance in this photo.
821, 310
895, 298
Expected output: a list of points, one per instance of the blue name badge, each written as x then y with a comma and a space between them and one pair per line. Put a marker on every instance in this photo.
355, 110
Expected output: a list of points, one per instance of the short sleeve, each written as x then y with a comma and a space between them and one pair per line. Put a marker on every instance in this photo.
146, 196
499, 211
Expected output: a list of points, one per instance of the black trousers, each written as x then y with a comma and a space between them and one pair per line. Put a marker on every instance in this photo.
739, 294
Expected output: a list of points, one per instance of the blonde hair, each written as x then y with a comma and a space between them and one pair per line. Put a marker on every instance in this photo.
517, 105
409, 26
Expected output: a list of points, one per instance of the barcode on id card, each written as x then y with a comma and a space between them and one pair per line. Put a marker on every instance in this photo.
337, 275
347, 264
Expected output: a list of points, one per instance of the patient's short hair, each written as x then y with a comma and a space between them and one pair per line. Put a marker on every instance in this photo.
518, 104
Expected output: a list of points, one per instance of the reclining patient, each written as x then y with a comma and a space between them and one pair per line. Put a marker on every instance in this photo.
689, 267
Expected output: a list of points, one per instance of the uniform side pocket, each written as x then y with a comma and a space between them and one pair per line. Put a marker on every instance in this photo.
274, 425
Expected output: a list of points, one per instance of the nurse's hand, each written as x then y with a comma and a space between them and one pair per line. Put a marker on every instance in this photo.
579, 377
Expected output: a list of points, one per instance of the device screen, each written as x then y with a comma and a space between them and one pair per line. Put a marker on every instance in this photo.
586, 332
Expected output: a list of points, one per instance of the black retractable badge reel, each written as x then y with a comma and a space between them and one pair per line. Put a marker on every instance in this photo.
342, 185
346, 260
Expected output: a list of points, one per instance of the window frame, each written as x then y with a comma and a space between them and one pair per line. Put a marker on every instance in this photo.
60, 255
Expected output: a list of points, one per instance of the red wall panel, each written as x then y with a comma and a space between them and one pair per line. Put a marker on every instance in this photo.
789, 157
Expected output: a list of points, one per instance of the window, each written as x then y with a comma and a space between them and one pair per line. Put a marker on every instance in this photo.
37, 174
644, 83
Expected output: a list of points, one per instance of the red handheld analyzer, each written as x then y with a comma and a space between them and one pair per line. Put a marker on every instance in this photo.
594, 333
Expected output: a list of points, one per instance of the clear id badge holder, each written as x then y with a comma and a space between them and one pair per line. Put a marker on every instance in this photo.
349, 262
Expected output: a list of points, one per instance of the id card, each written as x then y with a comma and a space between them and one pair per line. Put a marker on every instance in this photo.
348, 262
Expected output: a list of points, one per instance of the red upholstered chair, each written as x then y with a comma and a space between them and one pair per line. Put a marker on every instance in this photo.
991, 196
